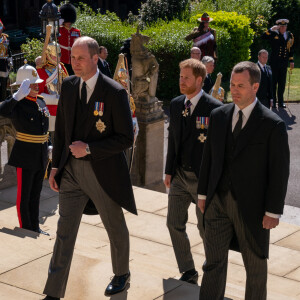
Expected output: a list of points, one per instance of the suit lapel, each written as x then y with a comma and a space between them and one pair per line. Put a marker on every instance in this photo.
71, 109
97, 96
254, 121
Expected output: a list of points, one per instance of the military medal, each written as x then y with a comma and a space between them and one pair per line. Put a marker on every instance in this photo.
198, 123
206, 122
101, 109
202, 137
100, 126
96, 110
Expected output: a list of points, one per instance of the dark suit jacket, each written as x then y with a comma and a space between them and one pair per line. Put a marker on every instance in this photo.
203, 109
107, 148
260, 167
104, 69
208, 84
265, 92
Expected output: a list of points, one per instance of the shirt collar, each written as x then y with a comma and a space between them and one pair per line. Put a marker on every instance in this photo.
261, 65
246, 111
91, 83
195, 99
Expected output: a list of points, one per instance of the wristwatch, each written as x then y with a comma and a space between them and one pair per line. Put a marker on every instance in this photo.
87, 149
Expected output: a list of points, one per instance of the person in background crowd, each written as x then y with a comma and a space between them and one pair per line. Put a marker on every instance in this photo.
102, 63
209, 63
196, 53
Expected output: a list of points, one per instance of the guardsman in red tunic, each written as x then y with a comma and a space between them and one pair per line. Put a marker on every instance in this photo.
30, 117
68, 34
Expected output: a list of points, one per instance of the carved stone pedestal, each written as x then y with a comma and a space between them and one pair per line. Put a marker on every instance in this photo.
7, 138
148, 166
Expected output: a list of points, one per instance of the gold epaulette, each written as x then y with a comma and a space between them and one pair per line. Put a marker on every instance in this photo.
267, 32
30, 138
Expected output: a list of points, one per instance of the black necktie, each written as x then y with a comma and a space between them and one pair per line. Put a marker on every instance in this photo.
83, 93
238, 126
265, 69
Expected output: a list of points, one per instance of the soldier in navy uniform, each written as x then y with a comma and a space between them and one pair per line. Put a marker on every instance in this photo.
265, 91
30, 117
282, 54
5, 61
189, 120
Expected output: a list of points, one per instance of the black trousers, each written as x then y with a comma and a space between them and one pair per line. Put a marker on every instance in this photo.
30, 183
3, 84
278, 82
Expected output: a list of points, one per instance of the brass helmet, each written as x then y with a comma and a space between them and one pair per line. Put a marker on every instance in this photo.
27, 72
51, 54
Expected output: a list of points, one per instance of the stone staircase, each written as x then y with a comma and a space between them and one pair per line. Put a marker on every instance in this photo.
25, 255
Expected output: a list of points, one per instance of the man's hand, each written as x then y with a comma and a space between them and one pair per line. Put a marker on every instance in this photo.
52, 181
292, 65
78, 149
167, 181
275, 27
201, 205
269, 222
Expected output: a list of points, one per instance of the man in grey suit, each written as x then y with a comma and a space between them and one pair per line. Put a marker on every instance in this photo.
189, 120
93, 128
242, 187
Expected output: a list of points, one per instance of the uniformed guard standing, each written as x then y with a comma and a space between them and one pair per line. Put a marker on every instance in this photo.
68, 34
5, 61
30, 117
282, 53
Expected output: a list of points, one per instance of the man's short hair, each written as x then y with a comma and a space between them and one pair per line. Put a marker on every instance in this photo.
102, 48
262, 51
92, 44
252, 69
207, 59
197, 66
195, 50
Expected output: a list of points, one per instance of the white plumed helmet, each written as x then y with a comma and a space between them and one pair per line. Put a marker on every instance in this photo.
27, 72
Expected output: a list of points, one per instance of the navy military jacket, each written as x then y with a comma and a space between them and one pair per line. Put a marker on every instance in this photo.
32, 118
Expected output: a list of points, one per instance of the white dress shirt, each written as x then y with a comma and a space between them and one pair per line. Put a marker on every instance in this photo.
194, 101
90, 85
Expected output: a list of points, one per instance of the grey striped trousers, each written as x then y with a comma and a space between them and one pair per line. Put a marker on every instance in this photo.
223, 219
183, 192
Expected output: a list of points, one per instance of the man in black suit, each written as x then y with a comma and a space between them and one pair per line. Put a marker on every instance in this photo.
189, 119
102, 63
265, 93
209, 63
242, 187
93, 128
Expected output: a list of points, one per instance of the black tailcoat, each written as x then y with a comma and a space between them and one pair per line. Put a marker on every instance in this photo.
27, 118
203, 109
107, 148
260, 166
264, 93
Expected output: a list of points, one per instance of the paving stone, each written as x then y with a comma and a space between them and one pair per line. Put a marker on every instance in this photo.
150, 201
153, 227
295, 275
282, 231
292, 241
8, 292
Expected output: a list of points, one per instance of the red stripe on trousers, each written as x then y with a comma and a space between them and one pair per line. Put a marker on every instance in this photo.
19, 194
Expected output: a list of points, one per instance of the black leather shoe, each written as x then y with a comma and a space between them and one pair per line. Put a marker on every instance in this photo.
282, 105
118, 284
40, 231
190, 277
51, 298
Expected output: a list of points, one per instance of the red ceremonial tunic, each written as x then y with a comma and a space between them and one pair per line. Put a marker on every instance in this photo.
66, 41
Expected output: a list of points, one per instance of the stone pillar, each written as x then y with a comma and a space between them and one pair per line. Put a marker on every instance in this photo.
147, 169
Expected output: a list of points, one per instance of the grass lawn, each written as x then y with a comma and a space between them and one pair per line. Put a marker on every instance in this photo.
294, 84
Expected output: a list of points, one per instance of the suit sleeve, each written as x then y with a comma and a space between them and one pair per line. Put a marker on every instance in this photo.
278, 170
270, 83
171, 155
7, 108
204, 172
59, 135
122, 137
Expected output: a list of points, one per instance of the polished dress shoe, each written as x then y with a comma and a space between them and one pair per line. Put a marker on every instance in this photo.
40, 231
51, 298
118, 284
190, 276
282, 105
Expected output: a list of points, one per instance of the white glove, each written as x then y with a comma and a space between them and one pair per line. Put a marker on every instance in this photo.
23, 91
